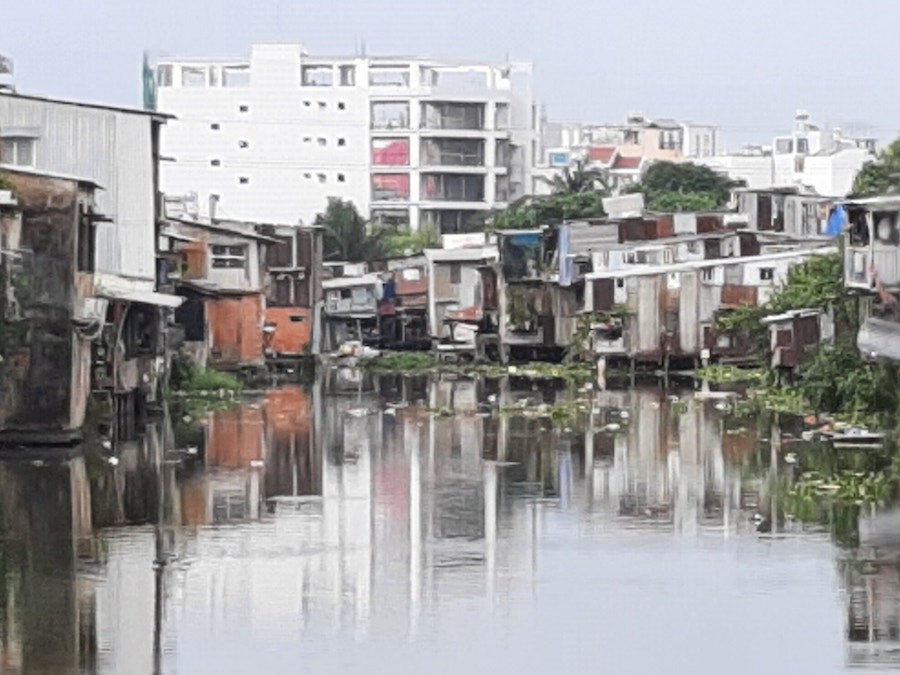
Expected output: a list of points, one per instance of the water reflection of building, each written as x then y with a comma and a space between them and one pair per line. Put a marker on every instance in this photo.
871, 579
661, 461
318, 513
47, 613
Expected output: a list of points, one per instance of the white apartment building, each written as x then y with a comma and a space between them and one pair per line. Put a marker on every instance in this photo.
407, 140
808, 156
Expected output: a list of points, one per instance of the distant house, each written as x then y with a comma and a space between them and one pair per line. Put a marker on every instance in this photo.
794, 333
404, 305
117, 148
294, 278
457, 297
872, 269
222, 276
351, 310
48, 314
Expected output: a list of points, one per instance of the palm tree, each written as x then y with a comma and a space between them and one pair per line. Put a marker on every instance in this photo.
347, 235
580, 178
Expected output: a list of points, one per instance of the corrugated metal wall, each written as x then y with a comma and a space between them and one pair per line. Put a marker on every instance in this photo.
112, 148
688, 313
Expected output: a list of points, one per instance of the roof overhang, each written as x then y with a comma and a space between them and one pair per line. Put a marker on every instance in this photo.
142, 297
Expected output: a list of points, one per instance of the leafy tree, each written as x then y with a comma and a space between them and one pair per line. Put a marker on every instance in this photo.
534, 211
347, 236
835, 378
880, 175
411, 243
684, 186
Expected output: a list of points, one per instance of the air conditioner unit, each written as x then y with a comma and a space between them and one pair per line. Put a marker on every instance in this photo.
886, 229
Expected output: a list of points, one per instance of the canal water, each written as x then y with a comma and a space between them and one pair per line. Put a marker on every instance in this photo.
368, 524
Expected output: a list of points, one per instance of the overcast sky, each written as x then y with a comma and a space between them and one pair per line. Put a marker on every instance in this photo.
744, 65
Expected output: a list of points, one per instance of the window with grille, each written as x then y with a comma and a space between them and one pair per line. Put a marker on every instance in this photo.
231, 257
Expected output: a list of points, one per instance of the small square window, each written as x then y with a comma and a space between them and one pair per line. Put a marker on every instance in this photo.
306, 104
766, 273
243, 144
307, 139
244, 180
243, 108
322, 177
342, 142
321, 141
322, 105
307, 175
215, 126
341, 105
215, 162
341, 178
620, 283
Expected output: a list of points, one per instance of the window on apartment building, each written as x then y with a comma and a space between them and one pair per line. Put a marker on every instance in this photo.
322, 105
784, 146
389, 76
390, 151
341, 105
317, 76
215, 162
244, 108
321, 141
213, 76
164, 76
307, 175
236, 76
803, 145
347, 75
307, 139
244, 180
501, 117
231, 256
86, 237
390, 115
215, 126
193, 77
455, 273
307, 104
322, 177
341, 178
342, 142
708, 274
18, 150
766, 273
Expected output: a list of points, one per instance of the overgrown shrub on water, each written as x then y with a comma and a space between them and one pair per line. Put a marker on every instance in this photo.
187, 376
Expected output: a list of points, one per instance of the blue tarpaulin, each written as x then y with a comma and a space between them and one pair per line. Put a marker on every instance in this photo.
836, 221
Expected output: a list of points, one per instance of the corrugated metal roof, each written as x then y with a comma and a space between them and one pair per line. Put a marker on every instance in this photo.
439, 255
84, 104
11, 168
644, 270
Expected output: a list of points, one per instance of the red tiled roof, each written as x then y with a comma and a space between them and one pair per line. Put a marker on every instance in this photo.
628, 163
601, 153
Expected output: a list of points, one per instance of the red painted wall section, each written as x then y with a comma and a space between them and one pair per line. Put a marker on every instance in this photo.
236, 330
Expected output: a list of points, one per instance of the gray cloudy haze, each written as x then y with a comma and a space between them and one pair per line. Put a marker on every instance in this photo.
744, 65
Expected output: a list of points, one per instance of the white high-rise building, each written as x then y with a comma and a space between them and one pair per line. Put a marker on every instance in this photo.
407, 140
